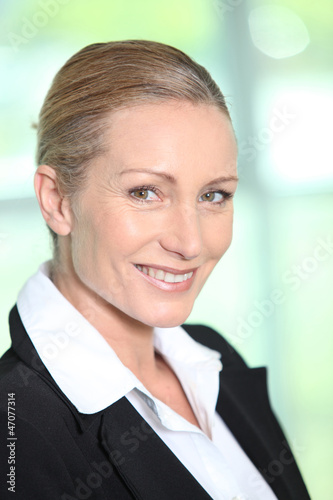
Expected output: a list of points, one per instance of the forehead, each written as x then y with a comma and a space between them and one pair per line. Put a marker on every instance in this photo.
176, 135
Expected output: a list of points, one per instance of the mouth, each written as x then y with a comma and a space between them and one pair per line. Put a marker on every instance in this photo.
167, 278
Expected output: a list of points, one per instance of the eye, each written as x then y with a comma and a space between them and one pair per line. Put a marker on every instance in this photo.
144, 194
217, 197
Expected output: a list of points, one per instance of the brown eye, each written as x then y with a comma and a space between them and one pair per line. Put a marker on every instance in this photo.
142, 194
209, 196
212, 196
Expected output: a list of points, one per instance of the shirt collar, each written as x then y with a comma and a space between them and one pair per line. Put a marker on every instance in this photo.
87, 369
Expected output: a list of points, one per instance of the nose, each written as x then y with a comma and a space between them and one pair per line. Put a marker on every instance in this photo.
182, 233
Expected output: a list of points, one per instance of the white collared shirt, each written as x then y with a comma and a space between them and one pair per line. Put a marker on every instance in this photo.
91, 375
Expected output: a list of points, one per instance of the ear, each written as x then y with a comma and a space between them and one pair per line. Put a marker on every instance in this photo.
54, 206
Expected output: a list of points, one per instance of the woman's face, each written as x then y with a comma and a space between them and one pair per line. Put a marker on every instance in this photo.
154, 217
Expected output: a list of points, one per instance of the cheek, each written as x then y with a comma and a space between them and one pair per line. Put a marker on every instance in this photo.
130, 230
83, 243
109, 240
88, 238
217, 236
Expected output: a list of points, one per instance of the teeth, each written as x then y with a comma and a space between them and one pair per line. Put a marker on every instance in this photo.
169, 278
161, 275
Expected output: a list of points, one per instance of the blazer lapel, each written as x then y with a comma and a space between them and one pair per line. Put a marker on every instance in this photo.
244, 406
145, 463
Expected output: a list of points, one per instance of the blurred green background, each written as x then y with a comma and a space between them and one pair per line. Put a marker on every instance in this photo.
271, 294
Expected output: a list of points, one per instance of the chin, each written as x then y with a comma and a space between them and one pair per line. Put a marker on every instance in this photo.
168, 319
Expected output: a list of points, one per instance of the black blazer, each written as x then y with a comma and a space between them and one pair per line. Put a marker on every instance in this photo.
61, 454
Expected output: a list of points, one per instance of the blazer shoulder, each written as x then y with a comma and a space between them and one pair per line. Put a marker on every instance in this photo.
8, 361
13, 372
32, 390
32, 455
211, 338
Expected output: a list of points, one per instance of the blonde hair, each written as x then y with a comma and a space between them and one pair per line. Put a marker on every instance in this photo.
102, 78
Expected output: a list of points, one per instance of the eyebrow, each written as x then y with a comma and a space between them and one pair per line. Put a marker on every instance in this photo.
172, 179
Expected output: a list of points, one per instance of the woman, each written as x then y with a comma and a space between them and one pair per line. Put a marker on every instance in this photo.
115, 400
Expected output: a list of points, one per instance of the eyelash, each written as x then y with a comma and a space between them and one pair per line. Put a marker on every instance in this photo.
226, 194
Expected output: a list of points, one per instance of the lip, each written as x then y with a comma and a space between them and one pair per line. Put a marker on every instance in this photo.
169, 287
168, 269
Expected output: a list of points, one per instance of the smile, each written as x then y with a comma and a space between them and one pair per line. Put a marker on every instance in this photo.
161, 275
